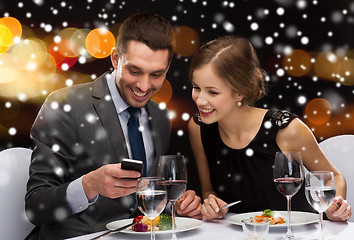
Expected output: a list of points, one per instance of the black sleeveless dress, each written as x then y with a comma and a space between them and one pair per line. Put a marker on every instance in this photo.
247, 174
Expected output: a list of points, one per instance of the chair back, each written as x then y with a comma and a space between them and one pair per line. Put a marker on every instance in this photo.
14, 173
340, 151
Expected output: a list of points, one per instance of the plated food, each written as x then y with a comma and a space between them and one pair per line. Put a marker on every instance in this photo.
182, 224
143, 224
297, 218
273, 217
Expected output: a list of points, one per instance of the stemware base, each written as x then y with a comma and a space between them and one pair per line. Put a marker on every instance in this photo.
321, 238
291, 237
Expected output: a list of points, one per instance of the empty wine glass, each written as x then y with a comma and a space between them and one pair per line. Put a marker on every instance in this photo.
173, 169
288, 178
320, 191
151, 197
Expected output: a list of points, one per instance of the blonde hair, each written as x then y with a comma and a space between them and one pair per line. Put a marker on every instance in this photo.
235, 61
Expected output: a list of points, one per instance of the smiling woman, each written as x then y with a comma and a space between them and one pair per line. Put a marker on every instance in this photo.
234, 142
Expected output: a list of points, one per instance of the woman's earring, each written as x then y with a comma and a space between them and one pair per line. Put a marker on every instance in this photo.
239, 104
199, 118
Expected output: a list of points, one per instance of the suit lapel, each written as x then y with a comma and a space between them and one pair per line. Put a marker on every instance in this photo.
156, 132
108, 116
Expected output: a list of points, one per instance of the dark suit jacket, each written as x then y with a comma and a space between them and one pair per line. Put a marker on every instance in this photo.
76, 131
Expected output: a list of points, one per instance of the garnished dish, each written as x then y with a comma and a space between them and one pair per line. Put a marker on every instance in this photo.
182, 224
297, 218
143, 224
273, 217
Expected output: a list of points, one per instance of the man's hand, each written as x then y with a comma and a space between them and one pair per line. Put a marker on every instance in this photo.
110, 181
339, 211
189, 205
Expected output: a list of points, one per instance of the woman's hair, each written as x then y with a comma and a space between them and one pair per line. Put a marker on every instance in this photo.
151, 29
235, 61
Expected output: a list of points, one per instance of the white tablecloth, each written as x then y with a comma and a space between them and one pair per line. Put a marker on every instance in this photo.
222, 229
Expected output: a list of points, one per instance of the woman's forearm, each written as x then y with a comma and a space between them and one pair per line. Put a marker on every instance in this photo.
207, 193
341, 186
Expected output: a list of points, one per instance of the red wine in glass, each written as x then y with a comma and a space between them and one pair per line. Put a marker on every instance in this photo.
288, 186
172, 168
175, 188
288, 178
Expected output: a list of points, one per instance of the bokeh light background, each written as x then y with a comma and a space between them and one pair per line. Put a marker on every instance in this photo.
305, 46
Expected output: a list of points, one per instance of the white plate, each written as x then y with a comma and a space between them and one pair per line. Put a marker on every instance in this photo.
297, 218
182, 224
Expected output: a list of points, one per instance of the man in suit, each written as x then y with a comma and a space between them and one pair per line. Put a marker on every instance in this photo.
76, 183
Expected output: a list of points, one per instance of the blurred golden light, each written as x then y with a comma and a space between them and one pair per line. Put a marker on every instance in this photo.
27, 32
346, 71
13, 24
3, 49
67, 48
297, 63
7, 69
326, 65
24, 69
79, 37
165, 93
6, 38
62, 53
10, 29
8, 75
318, 111
45, 71
339, 124
66, 33
21, 89
31, 84
29, 54
99, 42
187, 41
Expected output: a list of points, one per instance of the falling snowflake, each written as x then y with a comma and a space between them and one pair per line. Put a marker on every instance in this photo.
249, 152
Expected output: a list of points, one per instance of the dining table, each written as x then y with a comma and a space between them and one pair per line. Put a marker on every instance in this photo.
225, 230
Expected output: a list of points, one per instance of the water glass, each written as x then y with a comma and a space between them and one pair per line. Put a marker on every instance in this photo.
255, 229
320, 191
151, 197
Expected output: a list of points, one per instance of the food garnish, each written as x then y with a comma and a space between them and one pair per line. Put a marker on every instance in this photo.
162, 222
165, 222
140, 227
272, 216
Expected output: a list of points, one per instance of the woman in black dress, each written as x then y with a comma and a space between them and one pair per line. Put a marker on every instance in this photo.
234, 143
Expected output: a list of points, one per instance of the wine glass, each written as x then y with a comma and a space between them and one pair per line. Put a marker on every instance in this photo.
288, 178
151, 197
320, 191
173, 169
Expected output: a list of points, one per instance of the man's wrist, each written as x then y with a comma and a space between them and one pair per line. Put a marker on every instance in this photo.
89, 192
77, 198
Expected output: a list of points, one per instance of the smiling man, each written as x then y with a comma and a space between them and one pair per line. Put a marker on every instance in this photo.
140, 72
81, 135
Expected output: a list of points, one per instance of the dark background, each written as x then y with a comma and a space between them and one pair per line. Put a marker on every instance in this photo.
209, 19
